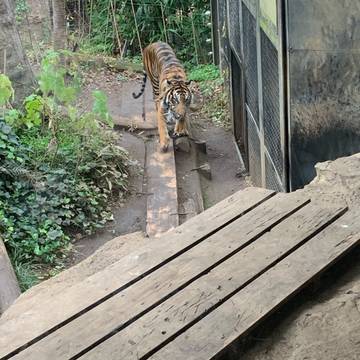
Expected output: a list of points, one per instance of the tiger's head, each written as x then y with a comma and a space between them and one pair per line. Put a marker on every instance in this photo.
176, 100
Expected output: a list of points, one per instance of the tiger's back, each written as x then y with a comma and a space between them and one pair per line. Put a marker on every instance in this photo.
161, 64
170, 89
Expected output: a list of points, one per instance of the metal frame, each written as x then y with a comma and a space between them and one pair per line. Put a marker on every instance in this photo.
214, 31
260, 95
302, 84
267, 165
284, 90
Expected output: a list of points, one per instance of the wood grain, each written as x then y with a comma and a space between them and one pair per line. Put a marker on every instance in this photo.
180, 310
40, 317
246, 309
119, 310
162, 203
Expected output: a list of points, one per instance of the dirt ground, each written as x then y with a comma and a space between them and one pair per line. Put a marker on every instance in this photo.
226, 169
130, 212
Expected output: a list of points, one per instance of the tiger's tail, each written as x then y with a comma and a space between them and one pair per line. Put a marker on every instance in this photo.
136, 96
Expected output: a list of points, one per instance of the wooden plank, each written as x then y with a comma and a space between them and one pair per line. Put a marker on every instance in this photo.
122, 308
137, 298
35, 322
242, 312
164, 321
9, 287
162, 204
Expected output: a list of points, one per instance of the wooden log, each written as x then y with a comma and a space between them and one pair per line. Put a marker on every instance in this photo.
9, 287
162, 203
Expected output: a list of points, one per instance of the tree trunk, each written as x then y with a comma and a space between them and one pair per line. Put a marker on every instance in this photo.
13, 61
59, 24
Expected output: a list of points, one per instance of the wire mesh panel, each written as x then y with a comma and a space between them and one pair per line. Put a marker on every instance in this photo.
271, 103
234, 26
254, 151
250, 62
272, 180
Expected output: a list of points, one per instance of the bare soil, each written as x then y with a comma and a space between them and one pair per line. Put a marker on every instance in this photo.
130, 212
227, 172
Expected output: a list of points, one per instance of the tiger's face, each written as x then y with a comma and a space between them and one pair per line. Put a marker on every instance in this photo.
176, 101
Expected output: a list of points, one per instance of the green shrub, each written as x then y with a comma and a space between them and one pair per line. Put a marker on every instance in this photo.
58, 172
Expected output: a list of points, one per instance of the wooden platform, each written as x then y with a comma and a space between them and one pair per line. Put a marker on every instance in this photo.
192, 292
162, 202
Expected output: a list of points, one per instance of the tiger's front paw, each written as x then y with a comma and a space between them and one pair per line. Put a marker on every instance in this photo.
181, 132
165, 145
164, 148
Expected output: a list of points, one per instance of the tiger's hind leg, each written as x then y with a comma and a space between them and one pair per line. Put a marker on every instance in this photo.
162, 128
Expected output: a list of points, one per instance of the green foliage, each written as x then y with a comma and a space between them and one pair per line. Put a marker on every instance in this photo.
58, 173
100, 108
6, 90
52, 78
204, 73
160, 20
34, 107
26, 274
21, 8
212, 87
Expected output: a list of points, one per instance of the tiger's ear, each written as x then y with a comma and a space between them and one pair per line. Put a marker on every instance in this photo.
168, 82
187, 83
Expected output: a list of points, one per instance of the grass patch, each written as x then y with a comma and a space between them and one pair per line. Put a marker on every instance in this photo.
212, 88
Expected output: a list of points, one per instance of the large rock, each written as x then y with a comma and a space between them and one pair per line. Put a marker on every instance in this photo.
337, 180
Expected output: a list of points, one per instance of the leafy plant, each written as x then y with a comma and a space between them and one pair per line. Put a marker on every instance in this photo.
6, 90
183, 24
204, 73
52, 78
59, 171
100, 108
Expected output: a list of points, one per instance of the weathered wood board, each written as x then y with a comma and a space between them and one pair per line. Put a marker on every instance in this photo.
244, 310
74, 302
162, 203
194, 291
186, 306
126, 306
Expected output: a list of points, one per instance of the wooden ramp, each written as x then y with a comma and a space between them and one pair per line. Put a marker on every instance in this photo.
192, 292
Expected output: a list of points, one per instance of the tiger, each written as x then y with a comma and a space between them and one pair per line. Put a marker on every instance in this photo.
171, 91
